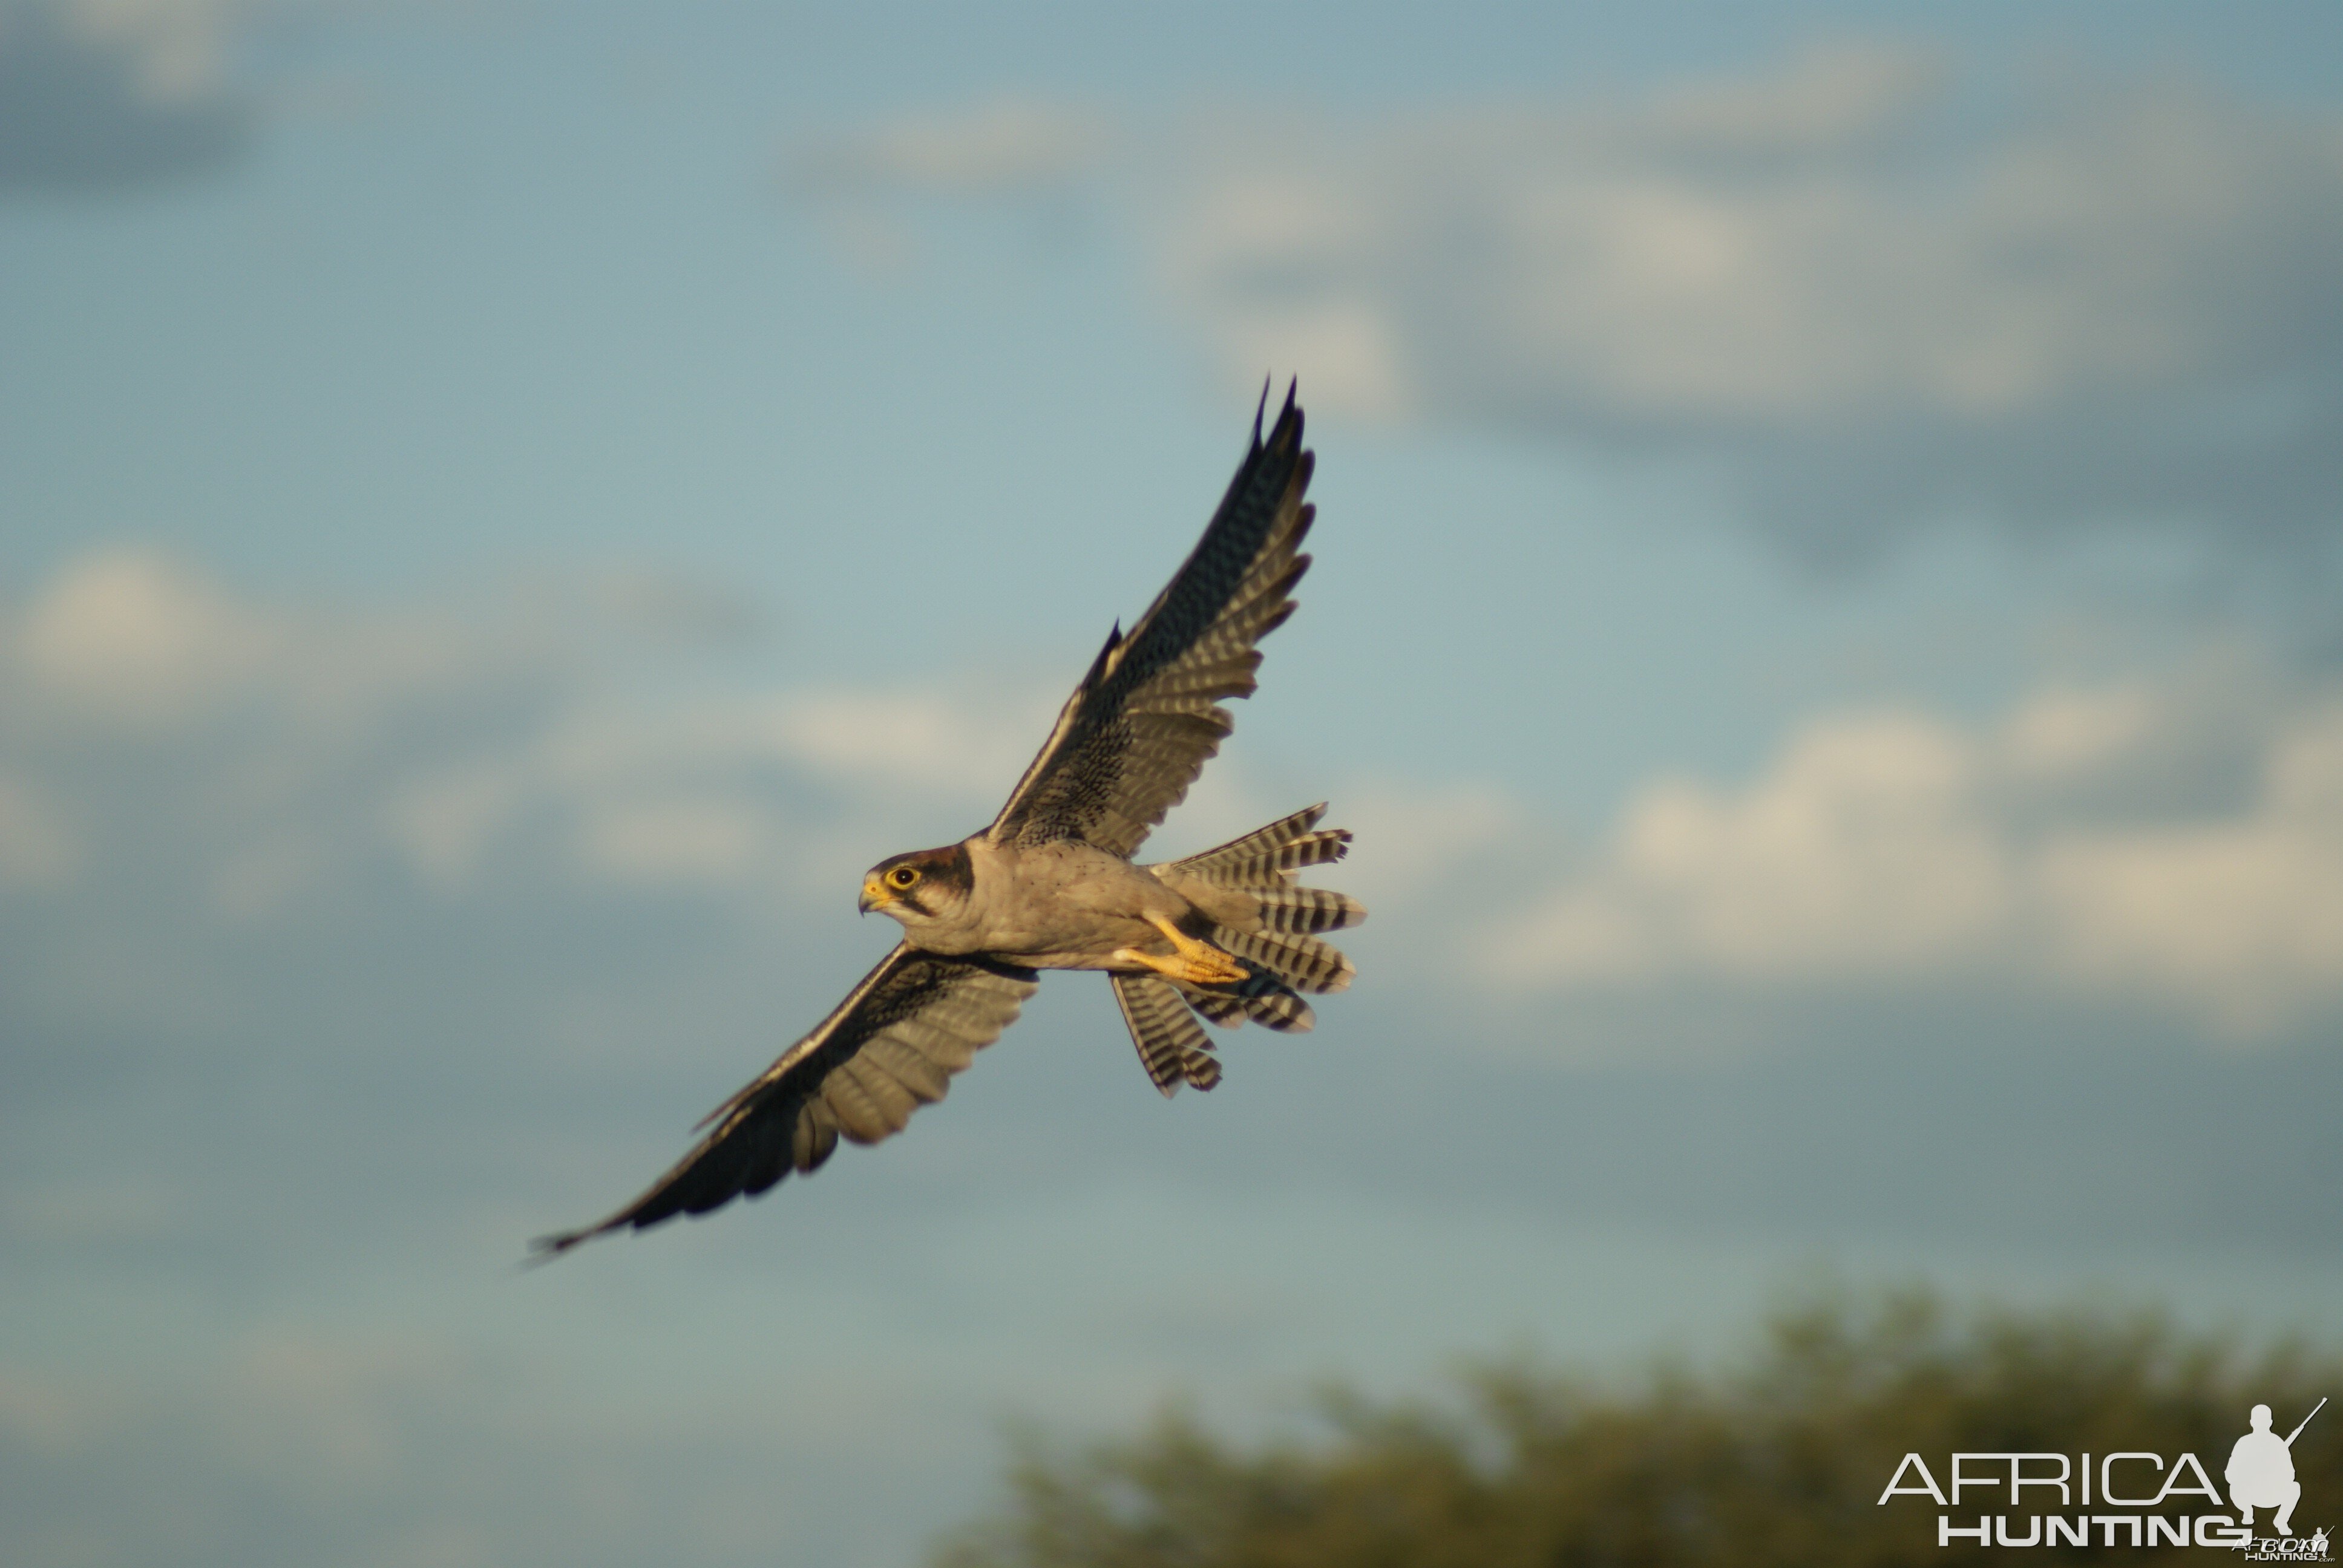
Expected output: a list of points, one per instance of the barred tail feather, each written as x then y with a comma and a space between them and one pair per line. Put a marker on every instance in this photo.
1283, 958
1267, 856
1304, 911
1303, 964
1264, 1000
1283, 952
1172, 1046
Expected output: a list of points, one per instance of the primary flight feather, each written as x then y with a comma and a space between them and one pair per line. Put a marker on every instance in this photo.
1051, 884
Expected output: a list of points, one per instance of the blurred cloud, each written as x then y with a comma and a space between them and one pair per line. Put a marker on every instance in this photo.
1413, 836
1020, 151
1870, 295
167, 741
712, 790
159, 726
1002, 146
103, 94
2180, 845
126, 635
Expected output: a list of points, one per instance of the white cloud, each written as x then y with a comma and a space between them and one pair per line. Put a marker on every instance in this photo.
677, 840
1853, 853
2116, 304
446, 819
159, 726
969, 741
178, 746
715, 791
2245, 912
107, 93
1868, 295
1898, 845
130, 634
1410, 836
1018, 151
175, 45
131, 637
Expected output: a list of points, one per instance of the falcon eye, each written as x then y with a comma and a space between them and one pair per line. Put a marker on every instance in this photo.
902, 876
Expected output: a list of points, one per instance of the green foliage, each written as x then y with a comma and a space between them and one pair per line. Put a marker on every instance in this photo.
1781, 1461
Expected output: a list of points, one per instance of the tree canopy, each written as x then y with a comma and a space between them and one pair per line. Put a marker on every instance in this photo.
1779, 1459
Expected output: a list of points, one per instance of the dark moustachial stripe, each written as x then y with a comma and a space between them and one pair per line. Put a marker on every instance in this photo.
950, 866
953, 867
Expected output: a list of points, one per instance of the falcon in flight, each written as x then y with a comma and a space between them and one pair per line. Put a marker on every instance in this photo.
1051, 884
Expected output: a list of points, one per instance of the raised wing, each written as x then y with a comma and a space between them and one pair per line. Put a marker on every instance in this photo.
1145, 719
891, 1047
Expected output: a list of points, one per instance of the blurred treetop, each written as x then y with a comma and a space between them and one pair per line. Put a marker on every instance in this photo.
1781, 1461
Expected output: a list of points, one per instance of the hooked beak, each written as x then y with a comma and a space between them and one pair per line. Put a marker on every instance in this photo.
874, 893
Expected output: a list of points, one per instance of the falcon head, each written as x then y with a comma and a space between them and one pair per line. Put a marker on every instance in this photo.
920, 888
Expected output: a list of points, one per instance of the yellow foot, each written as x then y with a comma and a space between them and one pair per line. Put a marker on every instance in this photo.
1191, 962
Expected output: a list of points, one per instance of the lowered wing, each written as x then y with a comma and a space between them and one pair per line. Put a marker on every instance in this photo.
891, 1047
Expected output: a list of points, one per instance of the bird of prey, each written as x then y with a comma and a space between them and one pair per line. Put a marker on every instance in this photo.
1051, 884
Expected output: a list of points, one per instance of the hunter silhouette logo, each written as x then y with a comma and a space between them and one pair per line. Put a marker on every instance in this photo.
2260, 1474
2261, 1470
2129, 1498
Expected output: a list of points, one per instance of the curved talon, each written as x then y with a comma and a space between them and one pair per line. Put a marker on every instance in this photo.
1191, 962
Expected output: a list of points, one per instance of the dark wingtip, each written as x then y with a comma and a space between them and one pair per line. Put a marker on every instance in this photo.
1106, 653
1261, 407
1286, 434
543, 1249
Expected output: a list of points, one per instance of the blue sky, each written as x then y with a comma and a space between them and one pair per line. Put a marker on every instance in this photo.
1823, 625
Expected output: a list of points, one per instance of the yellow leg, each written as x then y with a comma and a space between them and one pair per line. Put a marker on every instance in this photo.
1193, 961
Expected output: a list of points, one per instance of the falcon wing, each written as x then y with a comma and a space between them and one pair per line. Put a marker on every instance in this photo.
1145, 719
891, 1046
